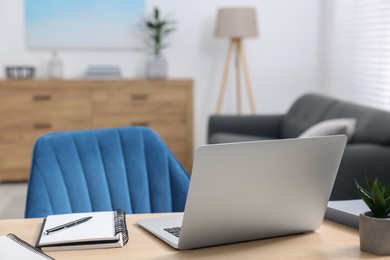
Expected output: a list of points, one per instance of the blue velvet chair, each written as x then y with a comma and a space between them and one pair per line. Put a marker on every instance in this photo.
104, 169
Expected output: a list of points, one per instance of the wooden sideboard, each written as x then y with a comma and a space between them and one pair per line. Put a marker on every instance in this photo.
30, 108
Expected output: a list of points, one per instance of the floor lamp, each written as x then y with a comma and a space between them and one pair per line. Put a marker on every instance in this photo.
236, 24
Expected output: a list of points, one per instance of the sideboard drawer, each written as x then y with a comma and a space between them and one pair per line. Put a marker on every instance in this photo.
45, 101
28, 128
135, 102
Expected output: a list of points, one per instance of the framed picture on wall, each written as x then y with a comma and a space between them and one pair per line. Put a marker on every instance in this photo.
83, 24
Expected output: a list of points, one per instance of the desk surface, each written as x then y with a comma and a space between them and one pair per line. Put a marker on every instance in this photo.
331, 241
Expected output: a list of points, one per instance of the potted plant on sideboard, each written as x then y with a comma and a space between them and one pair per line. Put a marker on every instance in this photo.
157, 29
374, 225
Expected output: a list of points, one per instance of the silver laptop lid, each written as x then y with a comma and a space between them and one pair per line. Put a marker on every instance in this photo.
246, 191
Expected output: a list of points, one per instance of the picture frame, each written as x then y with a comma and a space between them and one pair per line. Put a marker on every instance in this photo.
83, 24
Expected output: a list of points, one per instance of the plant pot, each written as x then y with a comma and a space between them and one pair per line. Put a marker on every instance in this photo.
157, 68
374, 234
55, 67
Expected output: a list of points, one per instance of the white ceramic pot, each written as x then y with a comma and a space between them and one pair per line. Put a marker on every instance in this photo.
157, 68
374, 234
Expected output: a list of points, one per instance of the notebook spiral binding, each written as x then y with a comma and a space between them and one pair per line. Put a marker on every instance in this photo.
28, 246
120, 224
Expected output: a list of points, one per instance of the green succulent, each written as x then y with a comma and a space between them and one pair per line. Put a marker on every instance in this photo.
377, 197
157, 30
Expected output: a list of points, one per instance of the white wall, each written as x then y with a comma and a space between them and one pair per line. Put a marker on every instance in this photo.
283, 62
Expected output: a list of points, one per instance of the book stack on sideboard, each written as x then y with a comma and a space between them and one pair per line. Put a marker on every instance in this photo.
30, 108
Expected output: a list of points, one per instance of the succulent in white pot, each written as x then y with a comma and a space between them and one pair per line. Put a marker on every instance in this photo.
157, 30
374, 226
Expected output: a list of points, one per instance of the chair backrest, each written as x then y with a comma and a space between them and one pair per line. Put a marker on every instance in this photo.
104, 169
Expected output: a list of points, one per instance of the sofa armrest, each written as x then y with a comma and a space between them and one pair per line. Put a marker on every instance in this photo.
359, 159
255, 125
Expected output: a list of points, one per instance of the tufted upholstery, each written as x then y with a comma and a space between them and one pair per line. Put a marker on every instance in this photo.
105, 169
373, 125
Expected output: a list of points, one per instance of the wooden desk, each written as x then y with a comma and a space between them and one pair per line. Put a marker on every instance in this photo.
331, 241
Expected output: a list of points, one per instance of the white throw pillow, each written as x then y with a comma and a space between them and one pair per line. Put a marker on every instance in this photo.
336, 126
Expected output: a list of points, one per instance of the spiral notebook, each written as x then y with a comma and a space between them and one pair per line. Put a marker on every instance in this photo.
104, 230
14, 248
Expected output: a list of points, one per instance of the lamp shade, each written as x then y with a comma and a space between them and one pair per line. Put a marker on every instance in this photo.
236, 23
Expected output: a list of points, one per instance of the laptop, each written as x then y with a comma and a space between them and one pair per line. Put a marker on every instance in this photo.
253, 190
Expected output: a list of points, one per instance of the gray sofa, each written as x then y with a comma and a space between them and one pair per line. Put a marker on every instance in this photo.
368, 150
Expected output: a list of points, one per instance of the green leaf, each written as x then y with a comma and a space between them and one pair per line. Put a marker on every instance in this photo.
377, 196
369, 182
167, 31
156, 13
386, 193
367, 198
376, 193
363, 192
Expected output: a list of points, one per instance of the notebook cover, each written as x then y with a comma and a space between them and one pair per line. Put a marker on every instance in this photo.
13, 247
346, 211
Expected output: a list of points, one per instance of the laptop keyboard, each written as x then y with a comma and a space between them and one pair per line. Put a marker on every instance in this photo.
174, 231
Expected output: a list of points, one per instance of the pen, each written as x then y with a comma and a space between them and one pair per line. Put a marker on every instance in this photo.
67, 225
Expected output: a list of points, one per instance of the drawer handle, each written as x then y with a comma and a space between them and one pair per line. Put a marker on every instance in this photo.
139, 124
41, 97
139, 97
42, 126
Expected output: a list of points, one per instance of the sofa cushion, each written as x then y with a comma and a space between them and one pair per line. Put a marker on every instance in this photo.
308, 110
373, 124
346, 126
